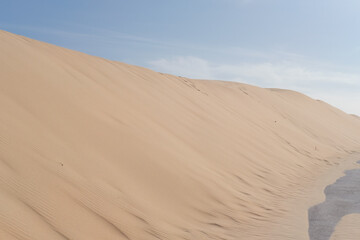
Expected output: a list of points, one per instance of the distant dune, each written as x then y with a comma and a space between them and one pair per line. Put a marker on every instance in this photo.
97, 149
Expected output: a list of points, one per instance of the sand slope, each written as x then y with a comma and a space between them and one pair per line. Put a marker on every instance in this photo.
96, 149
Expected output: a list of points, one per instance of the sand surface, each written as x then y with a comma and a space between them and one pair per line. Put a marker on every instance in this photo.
348, 228
342, 199
97, 149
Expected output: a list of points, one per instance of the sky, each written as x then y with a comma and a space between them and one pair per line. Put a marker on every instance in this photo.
311, 46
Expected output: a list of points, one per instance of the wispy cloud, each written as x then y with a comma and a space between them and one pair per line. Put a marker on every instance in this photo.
185, 66
265, 73
336, 87
103, 35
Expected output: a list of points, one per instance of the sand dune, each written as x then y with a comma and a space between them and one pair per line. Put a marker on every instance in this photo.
97, 149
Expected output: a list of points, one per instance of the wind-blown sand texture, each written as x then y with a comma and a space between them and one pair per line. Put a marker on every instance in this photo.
97, 149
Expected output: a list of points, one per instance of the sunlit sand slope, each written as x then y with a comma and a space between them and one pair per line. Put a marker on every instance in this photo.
97, 149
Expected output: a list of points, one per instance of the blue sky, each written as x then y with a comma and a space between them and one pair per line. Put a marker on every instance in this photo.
312, 46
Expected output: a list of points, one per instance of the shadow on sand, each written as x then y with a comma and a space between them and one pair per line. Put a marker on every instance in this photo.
342, 198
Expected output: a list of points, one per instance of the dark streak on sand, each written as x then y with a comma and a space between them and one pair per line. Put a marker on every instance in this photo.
342, 198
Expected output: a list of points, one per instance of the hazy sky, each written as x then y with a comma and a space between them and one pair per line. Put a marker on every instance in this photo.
312, 46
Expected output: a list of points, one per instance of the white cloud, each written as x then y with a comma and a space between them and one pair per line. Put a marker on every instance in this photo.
185, 66
338, 88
